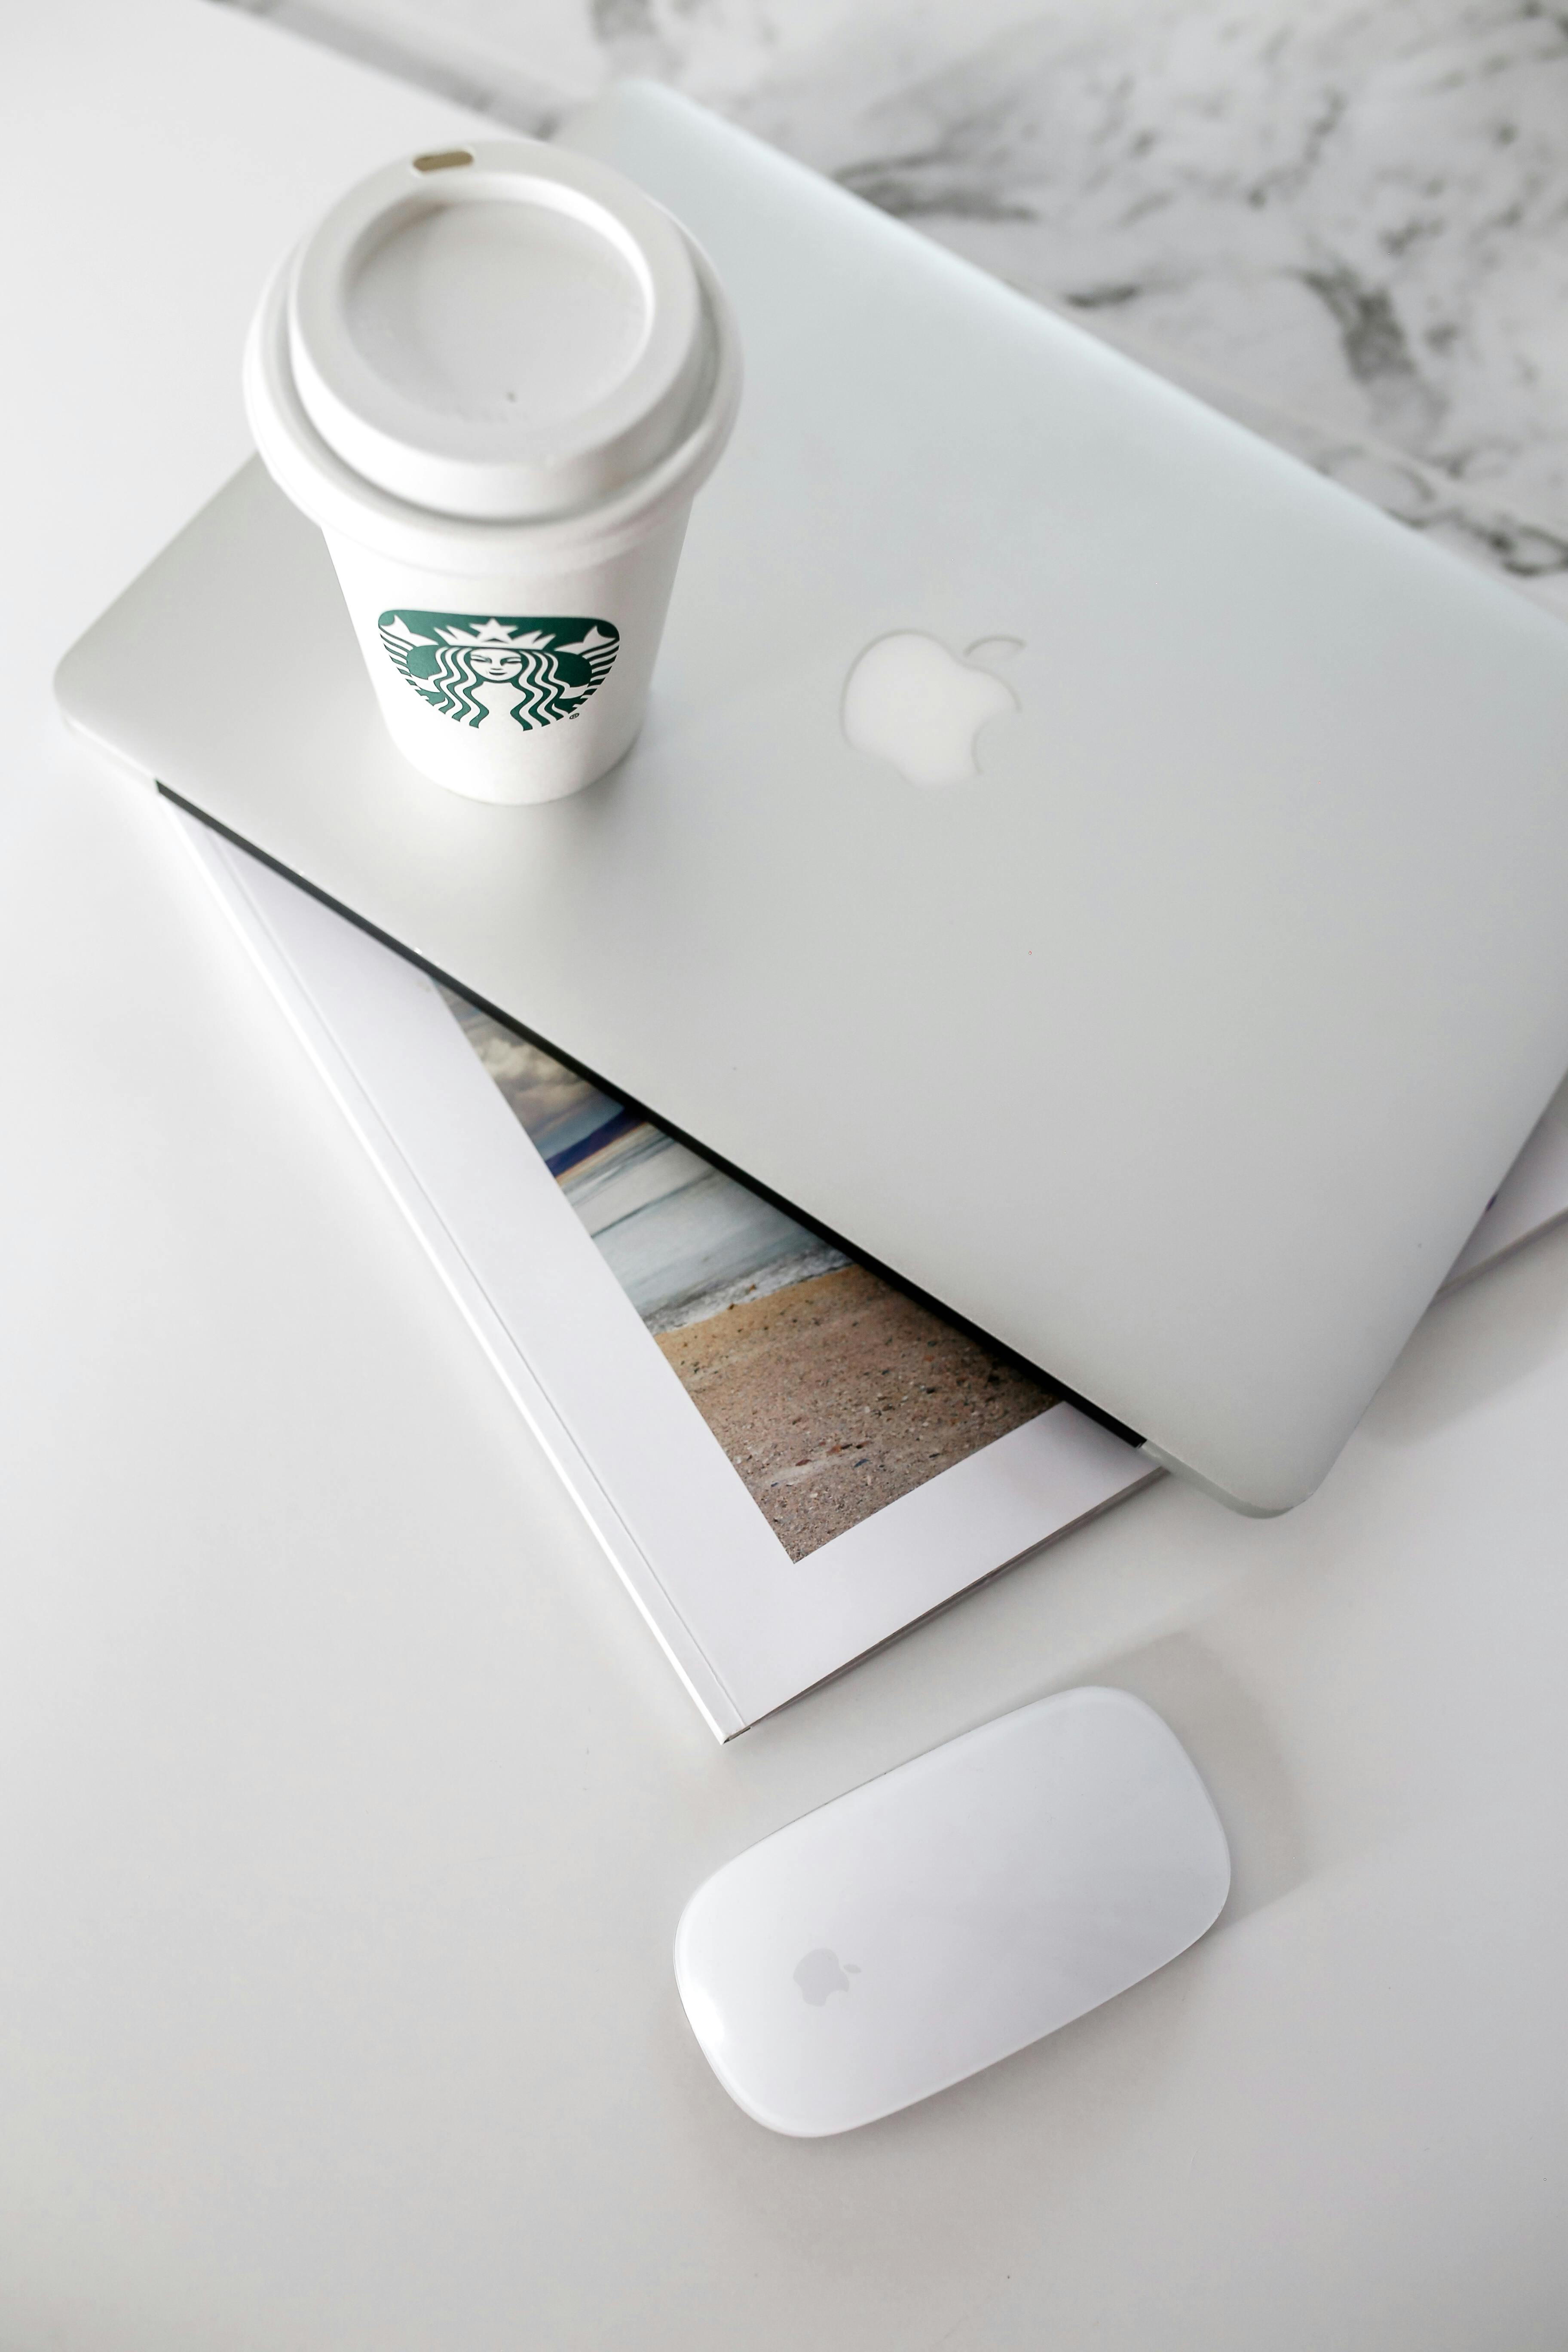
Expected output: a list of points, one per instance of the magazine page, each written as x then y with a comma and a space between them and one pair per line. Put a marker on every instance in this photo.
786, 1462
832, 1393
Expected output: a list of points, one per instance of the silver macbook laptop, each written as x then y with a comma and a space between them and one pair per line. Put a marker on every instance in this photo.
1102, 873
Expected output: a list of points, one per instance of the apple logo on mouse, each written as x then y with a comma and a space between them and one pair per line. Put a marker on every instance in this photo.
819, 1973
909, 701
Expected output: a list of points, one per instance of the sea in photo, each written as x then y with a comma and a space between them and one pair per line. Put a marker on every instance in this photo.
831, 1392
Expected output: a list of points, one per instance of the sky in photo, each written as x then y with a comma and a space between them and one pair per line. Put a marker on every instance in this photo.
682, 1238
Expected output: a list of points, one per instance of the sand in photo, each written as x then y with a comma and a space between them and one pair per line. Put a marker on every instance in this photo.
837, 1395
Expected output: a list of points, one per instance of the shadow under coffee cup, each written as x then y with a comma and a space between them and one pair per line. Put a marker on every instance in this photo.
496, 377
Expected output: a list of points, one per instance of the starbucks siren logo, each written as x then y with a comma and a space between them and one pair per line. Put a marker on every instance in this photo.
537, 669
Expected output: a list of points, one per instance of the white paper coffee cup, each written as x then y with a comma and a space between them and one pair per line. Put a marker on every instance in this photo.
497, 378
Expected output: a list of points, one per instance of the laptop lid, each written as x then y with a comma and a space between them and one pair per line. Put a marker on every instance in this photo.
1104, 872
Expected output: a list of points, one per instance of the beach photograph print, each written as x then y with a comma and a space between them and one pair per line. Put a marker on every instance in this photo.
831, 1392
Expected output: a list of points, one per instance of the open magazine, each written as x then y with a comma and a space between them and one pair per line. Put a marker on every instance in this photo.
787, 1461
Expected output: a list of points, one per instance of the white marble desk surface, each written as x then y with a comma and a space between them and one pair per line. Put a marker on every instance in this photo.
1345, 224
345, 1807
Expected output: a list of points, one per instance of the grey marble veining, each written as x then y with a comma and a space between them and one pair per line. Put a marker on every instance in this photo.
1346, 224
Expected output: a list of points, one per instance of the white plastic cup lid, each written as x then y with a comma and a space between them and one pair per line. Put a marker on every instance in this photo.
504, 333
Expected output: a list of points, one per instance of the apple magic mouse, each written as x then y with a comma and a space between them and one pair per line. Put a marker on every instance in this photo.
943, 1916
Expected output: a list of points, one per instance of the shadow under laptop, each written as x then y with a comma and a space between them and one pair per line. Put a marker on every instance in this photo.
1481, 1340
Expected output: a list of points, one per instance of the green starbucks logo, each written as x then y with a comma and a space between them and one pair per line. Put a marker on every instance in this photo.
536, 669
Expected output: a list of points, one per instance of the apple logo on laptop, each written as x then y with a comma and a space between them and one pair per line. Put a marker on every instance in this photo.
819, 1973
908, 699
